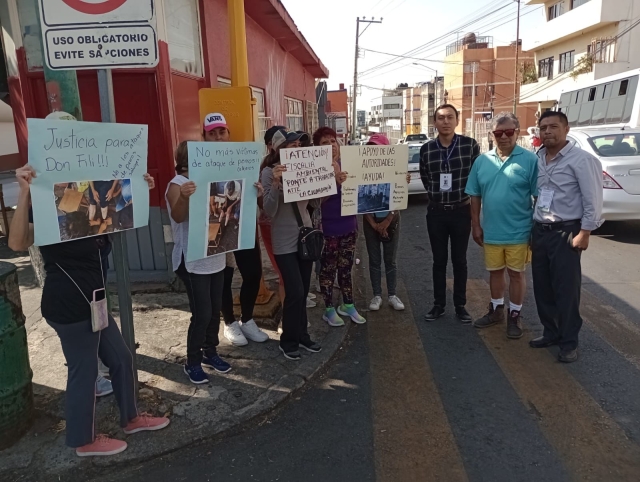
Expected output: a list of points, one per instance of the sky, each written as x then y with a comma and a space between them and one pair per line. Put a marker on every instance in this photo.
330, 28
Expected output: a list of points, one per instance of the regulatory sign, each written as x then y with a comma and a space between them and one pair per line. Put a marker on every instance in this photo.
99, 34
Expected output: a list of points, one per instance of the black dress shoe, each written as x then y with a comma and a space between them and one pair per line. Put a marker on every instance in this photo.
435, 313
568, 355
463, 315
542, 342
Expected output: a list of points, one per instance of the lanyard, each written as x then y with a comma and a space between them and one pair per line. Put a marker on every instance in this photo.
449, 153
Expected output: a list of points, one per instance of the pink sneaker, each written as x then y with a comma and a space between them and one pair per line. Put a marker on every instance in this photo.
146, 422
102, 446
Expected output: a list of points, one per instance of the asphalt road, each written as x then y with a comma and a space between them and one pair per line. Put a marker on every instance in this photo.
407, 400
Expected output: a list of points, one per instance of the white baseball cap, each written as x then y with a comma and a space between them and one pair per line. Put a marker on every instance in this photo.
214, 120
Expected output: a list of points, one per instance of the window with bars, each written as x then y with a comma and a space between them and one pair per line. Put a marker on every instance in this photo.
567, 60
545, 68
577, 3
312, 117
183, 36
295, 114
468, 91
602, 50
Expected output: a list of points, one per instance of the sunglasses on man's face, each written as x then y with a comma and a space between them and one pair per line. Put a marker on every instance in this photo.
508, 132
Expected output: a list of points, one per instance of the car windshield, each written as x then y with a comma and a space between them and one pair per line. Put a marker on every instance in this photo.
416, 137
414, 154
616, 145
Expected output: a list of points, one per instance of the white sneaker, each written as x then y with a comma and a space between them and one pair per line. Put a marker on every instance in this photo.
311, 303
103, 387
233, 333
251, 331
311, 296
375, 304
395, 302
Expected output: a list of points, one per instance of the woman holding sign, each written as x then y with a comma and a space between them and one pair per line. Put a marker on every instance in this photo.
203, 279
296, 272
75, 274
340, 235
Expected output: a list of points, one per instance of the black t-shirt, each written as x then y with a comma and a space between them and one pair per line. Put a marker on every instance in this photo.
62, 302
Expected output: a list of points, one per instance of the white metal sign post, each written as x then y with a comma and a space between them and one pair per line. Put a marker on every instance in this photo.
94, 34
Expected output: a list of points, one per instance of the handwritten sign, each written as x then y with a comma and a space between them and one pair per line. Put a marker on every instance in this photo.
222, 211
309, 173
377, 178
89, 178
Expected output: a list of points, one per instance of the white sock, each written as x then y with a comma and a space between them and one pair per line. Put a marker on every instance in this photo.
497, 302
105, 213
514, 307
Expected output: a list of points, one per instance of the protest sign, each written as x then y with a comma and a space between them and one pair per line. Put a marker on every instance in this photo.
309, 173
222, 211
89, 178
377, 179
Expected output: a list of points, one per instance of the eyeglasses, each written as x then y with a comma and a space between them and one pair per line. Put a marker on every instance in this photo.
508, 132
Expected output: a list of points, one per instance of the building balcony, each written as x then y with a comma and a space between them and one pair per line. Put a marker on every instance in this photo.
589, 16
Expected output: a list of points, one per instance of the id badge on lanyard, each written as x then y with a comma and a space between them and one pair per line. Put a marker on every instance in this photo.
446, 178
545, 197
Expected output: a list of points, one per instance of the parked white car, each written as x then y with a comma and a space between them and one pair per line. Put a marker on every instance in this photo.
415, 186
619, 152
414, 139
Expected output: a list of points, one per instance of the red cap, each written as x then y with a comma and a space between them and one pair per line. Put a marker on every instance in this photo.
378, 140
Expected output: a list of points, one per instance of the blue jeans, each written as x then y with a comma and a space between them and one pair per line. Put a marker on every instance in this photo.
379, 251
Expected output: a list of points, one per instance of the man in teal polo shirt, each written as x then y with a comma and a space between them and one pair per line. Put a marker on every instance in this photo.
502, 184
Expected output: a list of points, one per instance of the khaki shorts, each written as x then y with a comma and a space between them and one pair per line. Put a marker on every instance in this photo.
516, 257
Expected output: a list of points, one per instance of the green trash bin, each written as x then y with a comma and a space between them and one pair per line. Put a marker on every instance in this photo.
16, 390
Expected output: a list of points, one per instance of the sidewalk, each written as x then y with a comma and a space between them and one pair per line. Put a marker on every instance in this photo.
261, 379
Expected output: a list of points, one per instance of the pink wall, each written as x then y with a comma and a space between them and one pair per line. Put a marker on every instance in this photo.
270, 67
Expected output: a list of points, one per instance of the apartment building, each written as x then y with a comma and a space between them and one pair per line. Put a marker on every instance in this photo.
337, 112
494, 84
580, 41
386, 114
412, 106
432, 97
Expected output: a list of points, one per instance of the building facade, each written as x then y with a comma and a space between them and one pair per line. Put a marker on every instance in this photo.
578, 42
386, 114
194, 53
337, 112
495, 80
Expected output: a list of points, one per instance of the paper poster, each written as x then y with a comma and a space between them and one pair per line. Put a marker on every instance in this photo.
377, 179
309, 173
90, 178
222, 211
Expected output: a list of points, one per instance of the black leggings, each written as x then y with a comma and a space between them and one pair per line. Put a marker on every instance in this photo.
205, 297
250, 266
296, 275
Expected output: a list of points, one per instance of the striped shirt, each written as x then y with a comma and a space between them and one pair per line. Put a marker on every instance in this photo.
456, 159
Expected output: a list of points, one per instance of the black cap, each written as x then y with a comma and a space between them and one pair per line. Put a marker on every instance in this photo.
268, 136
304, 136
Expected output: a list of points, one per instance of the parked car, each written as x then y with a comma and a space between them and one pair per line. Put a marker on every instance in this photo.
415, 185
414, 139
619, 151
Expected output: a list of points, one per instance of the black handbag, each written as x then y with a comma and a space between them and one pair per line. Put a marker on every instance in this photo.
310, 240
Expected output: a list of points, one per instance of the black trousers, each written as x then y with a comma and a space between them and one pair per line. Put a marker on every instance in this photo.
250, 265
444, 226
296, 275
557, 278
205, 298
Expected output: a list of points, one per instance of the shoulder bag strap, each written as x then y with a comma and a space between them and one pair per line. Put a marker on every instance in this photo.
296, 211
74, 282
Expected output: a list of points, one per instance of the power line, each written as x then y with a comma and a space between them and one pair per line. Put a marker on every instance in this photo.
506, 3
369, 72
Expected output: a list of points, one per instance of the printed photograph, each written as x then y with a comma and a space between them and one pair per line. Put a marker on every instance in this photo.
89, 208
225, 208
373, 197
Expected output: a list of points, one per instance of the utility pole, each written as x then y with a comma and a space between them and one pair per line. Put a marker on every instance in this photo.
355, 71
474, 69
515, 78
